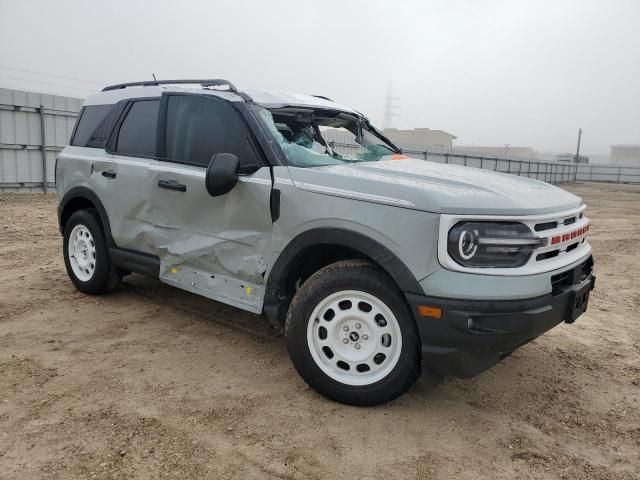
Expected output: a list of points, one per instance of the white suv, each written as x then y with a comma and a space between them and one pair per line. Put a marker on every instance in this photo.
372, 263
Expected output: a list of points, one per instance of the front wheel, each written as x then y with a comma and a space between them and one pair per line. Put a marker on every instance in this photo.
350, 335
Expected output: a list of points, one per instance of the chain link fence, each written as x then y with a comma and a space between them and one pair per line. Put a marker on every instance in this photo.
35, 127
551, 172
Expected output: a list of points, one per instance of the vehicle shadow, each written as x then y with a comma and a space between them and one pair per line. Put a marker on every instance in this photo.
510, 378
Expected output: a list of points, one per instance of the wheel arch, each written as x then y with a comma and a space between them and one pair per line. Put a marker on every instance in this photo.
330, 244
79, 198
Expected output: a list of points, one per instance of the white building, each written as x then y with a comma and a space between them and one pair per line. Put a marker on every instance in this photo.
421, 139
625, 155
570, 157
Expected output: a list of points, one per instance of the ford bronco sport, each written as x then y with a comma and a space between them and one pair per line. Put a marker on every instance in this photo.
374, 265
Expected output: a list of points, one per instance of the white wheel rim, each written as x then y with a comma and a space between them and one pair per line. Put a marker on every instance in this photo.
351, 345
82, 253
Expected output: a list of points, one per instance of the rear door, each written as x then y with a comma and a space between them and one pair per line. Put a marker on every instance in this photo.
125, 171
213, 246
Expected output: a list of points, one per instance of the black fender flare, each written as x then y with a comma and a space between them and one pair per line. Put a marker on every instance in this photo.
81, 192
372, 249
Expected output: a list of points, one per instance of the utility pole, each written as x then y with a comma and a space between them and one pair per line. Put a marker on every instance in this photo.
578, 149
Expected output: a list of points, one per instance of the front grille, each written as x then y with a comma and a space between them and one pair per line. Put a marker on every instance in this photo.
587, 269
545, 226
558, 233
561, 281
545, 255
541, 227
572, 247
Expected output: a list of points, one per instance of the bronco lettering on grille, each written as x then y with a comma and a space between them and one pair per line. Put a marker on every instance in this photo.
565, 237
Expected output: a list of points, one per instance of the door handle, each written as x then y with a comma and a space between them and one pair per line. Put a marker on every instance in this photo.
109, 174
172, 185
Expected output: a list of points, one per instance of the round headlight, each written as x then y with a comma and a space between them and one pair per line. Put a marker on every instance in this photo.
468, 243
491, 244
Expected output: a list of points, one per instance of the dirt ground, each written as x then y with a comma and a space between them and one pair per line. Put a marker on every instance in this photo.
154, 382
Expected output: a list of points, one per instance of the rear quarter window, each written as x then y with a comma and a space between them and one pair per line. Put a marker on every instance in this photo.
90, 118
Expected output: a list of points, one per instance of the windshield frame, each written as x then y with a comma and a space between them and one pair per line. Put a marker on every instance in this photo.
363, 125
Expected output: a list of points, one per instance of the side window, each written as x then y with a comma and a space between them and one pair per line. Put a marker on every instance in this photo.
100, 135
137, 135
90, 118
199, 127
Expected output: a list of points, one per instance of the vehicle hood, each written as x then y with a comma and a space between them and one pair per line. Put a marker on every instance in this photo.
436, 187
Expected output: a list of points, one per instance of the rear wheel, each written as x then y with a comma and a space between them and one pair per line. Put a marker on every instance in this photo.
351, 336
86, 255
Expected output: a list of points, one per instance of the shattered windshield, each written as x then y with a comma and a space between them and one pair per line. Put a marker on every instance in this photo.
317, 137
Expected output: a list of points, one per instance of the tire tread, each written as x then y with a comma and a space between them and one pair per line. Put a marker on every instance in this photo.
364, 275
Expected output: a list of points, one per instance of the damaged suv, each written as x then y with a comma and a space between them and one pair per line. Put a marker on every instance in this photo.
375, 266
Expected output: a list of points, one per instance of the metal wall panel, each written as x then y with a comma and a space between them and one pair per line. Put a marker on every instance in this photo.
21, 136
21, 144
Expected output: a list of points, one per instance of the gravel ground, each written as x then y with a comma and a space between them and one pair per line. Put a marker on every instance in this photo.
152, 382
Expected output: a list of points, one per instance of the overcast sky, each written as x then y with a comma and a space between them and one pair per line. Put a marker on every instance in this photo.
492, 72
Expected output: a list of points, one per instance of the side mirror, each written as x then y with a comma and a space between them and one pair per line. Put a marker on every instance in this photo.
222, 174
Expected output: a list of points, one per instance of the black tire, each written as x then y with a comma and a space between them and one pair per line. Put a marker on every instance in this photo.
106, 276
365, 277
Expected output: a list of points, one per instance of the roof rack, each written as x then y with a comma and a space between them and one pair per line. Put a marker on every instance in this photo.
215, 82
323, 97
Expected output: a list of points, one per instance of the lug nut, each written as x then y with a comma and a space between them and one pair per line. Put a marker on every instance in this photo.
357, 346
365, 337
345, 328
358, 326
345, 340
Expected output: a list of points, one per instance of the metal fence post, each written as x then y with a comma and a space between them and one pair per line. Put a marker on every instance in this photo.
45, 182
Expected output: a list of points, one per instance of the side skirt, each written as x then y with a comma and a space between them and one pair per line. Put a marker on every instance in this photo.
238, 293
232, 291
142, 263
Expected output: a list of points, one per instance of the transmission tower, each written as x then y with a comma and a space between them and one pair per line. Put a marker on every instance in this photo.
390, 107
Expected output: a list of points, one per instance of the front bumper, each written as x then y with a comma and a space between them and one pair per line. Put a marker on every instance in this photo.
473, 335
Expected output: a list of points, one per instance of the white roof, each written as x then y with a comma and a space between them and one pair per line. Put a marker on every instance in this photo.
266, 99
283, 99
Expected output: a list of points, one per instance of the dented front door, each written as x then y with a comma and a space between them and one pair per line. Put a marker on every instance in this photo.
212, 246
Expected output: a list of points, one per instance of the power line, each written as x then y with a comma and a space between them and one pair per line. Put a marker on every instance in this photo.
70, 87
53, 75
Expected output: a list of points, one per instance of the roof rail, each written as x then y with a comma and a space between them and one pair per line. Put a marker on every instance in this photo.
215, 82
323, 97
